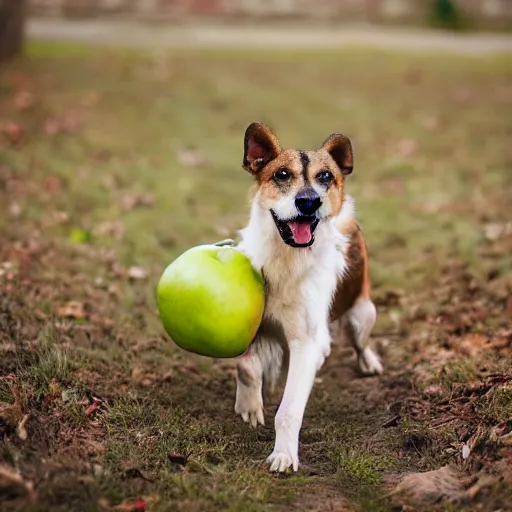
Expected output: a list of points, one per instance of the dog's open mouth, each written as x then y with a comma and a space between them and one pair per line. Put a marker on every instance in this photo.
297, 232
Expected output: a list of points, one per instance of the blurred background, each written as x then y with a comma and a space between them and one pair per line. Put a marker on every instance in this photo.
121, 141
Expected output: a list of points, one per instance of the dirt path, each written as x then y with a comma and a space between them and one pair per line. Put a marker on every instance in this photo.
296, 36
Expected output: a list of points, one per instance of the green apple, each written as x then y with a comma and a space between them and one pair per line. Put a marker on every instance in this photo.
211, 301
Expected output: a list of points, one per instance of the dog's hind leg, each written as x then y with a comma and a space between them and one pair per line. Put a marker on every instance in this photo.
357, 324
261, 365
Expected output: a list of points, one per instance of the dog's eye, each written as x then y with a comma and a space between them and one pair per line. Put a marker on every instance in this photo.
324, 177
282, 175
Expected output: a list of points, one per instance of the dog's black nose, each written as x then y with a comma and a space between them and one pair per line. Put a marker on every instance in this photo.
308, 201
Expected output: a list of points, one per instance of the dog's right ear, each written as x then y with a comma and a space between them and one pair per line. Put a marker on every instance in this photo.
260, 147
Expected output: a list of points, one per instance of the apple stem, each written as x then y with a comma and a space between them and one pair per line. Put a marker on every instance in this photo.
227, 241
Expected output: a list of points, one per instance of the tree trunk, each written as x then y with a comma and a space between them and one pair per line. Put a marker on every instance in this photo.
12, 20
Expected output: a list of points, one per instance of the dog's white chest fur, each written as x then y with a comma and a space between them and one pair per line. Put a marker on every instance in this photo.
300, 283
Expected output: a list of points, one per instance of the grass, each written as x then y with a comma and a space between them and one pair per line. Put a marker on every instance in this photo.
129, 158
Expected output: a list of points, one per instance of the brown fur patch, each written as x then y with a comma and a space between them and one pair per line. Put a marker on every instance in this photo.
356, 283
320, 160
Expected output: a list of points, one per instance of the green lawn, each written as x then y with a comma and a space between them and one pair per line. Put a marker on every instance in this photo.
112, 163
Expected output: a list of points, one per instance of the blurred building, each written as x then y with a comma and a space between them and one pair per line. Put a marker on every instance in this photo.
483, 12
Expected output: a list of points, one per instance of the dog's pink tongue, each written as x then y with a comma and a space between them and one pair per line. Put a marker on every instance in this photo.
301, 232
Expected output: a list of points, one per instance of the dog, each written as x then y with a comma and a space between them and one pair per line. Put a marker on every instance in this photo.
303, 238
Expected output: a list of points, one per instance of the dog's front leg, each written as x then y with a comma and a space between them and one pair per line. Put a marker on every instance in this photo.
249, 380
305, 359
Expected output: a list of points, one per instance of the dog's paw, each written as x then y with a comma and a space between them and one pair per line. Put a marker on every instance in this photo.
280, 462
369, 363
249, 404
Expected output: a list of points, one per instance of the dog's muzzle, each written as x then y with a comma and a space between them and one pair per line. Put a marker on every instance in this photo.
299, 231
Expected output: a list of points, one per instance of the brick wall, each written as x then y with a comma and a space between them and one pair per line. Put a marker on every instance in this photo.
487, 11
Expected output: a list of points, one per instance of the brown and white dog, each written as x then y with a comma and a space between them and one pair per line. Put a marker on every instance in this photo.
303, 238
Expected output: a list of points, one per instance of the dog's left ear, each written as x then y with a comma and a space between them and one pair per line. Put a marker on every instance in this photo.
261, 145
340, 149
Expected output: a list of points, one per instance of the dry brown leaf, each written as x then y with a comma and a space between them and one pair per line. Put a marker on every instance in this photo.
131, 201
482, 483
110, 229
434, 390
430, 123
51, 127
53, 184
420, 489
15, 209
13, 131
10, 477
12, 413
407, 147
190, 157
495, 230
502, 433
140, 377
21, 430
129, 505
73, 309
93, 407
472, 344
24, 99
90, 99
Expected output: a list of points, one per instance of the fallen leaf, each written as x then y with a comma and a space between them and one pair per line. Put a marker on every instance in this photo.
73, 309
60, 217
53, 184
131, 201
430, 123
407, 147
13, 131
128, 505
495, 230
179, 458
10, 477
423, 489
190, 157
90, 99
93, 407
137, 273
483, 482
502, 433
23, 100
434, 390
21, 429
462, 95
472, 344
139, 377
51, 127
12, 414
110, 229
15, 210
167, 376
80, 236
54, 388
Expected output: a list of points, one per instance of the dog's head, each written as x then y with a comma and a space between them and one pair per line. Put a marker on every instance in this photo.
299, 188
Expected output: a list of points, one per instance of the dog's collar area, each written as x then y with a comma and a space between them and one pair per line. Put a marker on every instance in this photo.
287, 234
